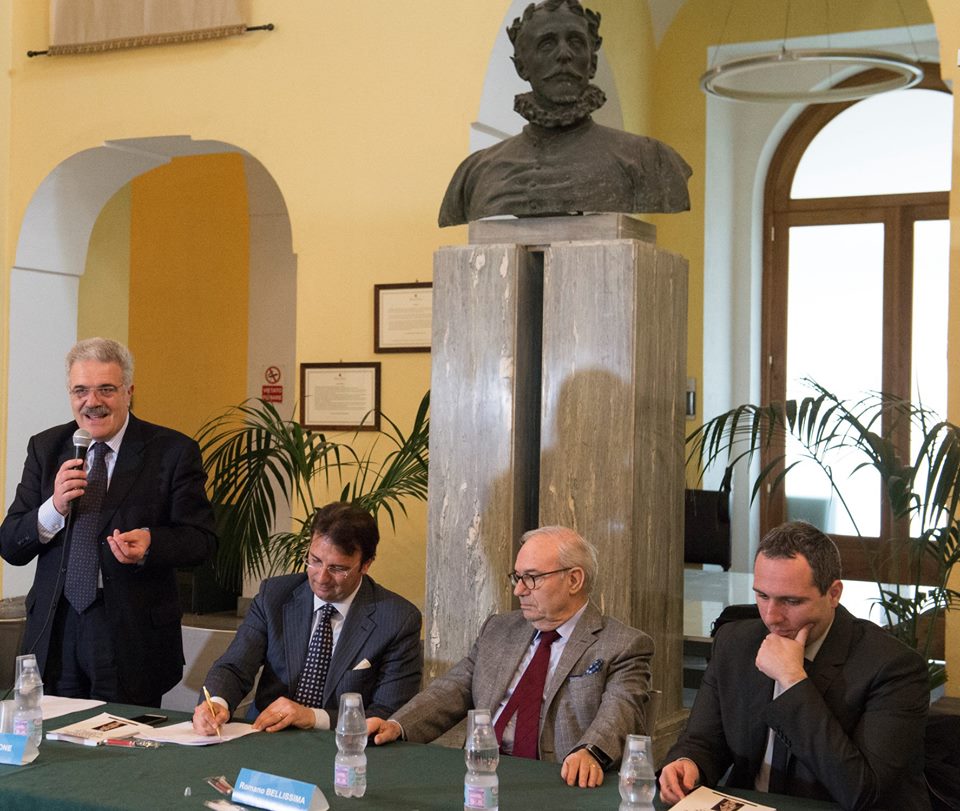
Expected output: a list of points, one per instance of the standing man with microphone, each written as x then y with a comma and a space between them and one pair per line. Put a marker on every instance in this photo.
108, 528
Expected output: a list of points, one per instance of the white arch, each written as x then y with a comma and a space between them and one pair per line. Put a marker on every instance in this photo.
50, 259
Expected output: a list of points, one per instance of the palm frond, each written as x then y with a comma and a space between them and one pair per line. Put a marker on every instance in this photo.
924, 488
258, 462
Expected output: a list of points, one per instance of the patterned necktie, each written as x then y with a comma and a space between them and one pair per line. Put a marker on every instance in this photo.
310, 688
81, 584
526, 701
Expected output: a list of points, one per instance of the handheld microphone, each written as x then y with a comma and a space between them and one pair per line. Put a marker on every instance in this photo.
81, 441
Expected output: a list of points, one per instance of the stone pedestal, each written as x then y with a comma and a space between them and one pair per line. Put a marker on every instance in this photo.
557, 398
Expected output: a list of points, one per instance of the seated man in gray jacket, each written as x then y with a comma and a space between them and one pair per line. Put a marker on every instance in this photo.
563, 682
319, 634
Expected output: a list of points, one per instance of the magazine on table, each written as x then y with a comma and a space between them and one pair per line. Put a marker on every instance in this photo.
94, 731
706, 799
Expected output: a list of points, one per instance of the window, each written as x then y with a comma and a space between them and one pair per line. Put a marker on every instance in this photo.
855, 277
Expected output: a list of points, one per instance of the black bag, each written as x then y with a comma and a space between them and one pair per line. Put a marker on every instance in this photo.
706, 531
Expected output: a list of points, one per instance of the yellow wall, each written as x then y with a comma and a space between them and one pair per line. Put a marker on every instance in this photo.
359, 114
629, 48
6, 221
104, 295
946, 15
360, 111
189, 254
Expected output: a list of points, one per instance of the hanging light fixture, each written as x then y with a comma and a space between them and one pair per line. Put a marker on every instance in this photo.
805, 75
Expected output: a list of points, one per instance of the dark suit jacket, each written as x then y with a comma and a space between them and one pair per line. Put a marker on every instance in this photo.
157, 483
381, 628
599, 707
854, 729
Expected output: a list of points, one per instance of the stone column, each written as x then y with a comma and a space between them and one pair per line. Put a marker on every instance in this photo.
483, 415
559, 349
612, 452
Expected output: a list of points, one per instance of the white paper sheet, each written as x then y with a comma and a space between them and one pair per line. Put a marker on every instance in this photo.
55, 706
184, 734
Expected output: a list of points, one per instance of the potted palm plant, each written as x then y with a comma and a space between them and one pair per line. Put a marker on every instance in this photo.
912, 567
257, 462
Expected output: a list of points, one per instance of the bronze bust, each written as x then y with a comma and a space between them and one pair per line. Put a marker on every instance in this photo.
562, 162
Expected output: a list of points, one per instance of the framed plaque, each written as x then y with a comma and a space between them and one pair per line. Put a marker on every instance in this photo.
340, 396
402, 316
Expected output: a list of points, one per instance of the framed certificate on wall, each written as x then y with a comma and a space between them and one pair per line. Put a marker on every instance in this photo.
402, 317
340, 396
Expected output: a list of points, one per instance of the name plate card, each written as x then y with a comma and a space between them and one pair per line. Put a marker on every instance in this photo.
270, 791
13, 748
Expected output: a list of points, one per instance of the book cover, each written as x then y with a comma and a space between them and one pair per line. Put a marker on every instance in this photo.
94, 731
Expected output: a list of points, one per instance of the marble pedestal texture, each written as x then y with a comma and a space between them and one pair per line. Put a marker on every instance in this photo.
558, 379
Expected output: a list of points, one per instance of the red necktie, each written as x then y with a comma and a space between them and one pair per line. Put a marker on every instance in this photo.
526, 701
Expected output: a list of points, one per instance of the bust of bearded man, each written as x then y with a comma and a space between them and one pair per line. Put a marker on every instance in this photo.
563, 162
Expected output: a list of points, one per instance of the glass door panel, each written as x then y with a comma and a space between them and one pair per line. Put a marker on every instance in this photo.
834, 336
931, 257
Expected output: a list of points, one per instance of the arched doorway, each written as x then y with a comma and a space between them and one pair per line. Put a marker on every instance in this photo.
51, 258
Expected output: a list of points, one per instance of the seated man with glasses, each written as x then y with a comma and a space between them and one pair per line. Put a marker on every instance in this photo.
563, 681
318, 634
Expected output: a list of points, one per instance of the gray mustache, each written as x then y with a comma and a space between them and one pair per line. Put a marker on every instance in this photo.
95, 411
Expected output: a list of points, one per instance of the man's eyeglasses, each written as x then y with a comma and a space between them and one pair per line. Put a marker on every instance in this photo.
103, 392
338, 572
531, 581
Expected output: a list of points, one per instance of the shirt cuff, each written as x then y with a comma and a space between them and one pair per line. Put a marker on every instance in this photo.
321, 719
49, 521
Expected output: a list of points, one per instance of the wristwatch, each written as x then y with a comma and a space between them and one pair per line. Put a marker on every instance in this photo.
596, 753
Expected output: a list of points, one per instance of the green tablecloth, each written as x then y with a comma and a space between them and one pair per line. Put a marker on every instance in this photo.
399, 776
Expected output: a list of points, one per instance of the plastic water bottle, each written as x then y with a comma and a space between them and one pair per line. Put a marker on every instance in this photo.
481, 788
28, 694
350, 766
638, 784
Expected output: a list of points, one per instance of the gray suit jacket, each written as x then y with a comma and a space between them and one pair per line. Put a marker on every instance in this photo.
854, 729
381, 628
599, 707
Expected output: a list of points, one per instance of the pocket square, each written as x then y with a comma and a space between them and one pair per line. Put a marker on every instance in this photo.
595, 666
364, 664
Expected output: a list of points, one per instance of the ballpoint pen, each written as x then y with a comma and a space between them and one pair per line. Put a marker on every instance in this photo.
213, 713
131, 743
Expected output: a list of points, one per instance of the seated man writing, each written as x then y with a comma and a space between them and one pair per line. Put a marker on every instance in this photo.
564, 682
332, 630
808, 700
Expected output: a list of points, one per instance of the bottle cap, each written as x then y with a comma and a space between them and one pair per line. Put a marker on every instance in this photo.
481, 717
352, 701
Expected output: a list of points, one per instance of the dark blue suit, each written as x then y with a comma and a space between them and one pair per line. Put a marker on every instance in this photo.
381, 629
157, 483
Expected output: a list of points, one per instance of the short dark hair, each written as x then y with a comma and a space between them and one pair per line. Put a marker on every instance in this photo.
800, 538
592, 18
348, 528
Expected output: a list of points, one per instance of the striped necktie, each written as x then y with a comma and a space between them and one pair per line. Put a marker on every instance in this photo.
80, 587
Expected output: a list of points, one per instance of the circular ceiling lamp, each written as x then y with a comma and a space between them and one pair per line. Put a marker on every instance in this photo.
811, 75
797, 75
